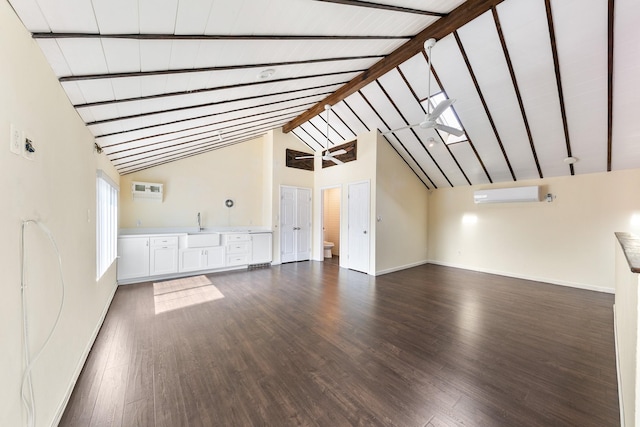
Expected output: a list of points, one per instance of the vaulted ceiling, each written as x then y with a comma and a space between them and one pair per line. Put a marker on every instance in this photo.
535, 81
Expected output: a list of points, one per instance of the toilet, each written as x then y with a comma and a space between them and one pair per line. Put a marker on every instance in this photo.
327, 249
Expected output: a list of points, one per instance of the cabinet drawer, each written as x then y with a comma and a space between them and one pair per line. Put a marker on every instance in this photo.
238, 248
230, 238
164, 241
240, 259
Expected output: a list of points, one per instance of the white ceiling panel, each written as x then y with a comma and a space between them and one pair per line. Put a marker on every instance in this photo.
117, 16
582, 49
73, 93
626, 126
73, 16
31, 15
488, 62
126, 88
96, 89
157, 16
192, 16
155, 55
416, 71
123, 56
55, 57
469, 163
84, 56
526, 34
346, 114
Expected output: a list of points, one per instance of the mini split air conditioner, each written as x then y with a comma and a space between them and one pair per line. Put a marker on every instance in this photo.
508, 195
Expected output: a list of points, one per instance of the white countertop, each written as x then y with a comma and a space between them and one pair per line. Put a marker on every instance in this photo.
151, 231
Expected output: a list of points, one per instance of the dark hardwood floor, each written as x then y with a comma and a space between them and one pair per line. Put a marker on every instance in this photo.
310, 344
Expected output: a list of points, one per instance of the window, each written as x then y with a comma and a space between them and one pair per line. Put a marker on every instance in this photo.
106, 222
448, 118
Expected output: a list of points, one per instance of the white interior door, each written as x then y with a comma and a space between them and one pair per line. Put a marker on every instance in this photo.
359, 220
295, 224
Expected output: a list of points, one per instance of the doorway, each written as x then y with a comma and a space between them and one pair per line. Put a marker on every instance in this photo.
331, 205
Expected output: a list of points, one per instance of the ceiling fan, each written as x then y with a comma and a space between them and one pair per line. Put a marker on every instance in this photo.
328, 155
431, 118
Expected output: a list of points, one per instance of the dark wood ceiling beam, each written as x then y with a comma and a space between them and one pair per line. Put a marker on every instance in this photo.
424, 172
205, 37
226, 87
392, 8
455, 113
190, 107
205, 116
190, 141
133, 170
556, 66
610, 32
412, 130
210, 69
472, 74
463, 14
178, 138
514, 81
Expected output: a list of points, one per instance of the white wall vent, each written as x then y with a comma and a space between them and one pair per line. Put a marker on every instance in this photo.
508, 195
147, 190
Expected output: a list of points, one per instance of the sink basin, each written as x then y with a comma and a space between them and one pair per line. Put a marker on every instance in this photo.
203, 240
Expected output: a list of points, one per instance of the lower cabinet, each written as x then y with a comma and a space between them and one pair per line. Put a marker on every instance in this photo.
163, 255
194, 259
133, 257
261, 248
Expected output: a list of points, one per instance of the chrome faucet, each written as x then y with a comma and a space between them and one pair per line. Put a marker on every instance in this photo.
199, 223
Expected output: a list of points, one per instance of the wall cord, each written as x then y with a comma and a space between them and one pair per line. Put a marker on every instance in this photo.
26, 388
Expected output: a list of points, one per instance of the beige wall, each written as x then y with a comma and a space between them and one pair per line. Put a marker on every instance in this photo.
58, 189
401, 213
331, 207
567, 241
201, 184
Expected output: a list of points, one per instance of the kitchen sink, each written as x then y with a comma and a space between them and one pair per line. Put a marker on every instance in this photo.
203, 240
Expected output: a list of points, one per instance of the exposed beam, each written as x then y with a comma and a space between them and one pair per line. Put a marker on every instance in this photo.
372, 5
204, 37
556, 66
463, 14
209, 69
610, 32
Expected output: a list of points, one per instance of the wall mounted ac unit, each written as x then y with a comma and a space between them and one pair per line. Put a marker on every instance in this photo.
147, 190
508, 195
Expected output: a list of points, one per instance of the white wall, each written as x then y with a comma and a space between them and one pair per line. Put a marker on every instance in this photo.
58, 189
201, 184
401, 213
565, 242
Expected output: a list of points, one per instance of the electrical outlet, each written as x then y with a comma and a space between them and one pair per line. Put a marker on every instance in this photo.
15, 140
29, 149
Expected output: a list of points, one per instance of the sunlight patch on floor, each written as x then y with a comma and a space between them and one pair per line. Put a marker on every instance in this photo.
185, 292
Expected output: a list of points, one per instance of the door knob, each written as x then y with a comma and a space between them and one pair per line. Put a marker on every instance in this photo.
365, 231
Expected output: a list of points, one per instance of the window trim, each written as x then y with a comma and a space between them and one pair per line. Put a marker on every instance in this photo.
106, 251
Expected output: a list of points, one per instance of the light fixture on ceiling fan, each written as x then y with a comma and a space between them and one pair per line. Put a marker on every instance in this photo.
431, 118
327, 154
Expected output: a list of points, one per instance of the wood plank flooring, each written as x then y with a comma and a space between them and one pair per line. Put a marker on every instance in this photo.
310, 344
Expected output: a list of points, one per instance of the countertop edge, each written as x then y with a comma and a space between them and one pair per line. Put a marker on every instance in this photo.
630, 244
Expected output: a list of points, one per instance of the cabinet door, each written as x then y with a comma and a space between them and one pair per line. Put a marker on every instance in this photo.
133, 261
214, 257
164, 260
260, 248
190, 259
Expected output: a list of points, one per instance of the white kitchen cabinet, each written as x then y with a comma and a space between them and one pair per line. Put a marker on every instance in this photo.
163, 255
238, 248
133, 257
261, 252
201, 258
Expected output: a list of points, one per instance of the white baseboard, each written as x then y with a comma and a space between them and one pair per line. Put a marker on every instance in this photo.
400, 267
615, 335
83, 359
525, 277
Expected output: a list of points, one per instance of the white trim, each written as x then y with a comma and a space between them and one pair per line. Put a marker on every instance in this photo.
102, 174
615, 335
525, 277
401, 267
83, 359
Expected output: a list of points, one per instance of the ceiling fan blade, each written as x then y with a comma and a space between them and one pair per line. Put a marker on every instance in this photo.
398, 129
305, 157
440, 109
339, 152
336, 161
449, 129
